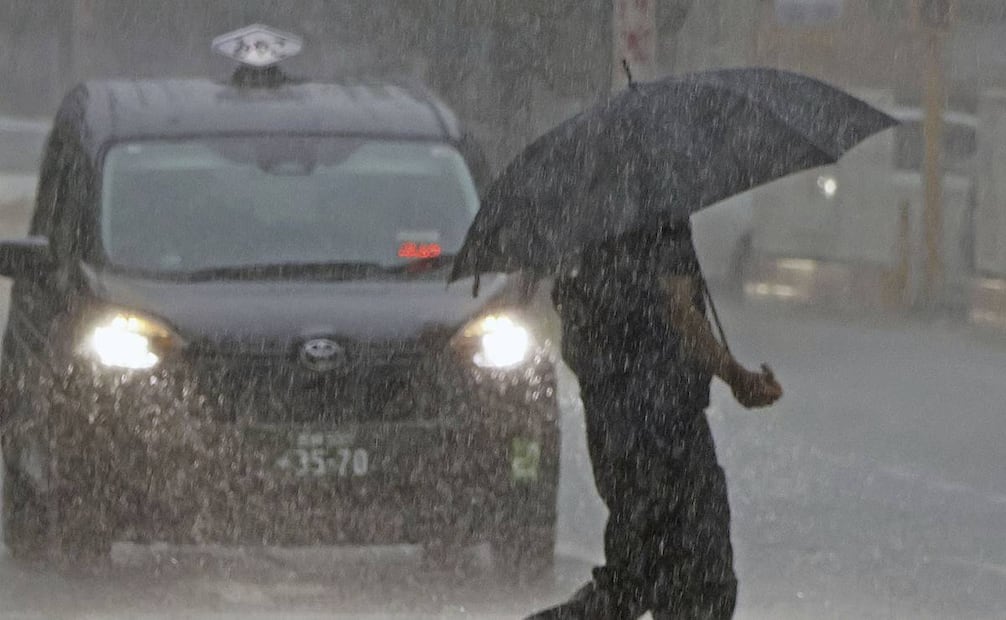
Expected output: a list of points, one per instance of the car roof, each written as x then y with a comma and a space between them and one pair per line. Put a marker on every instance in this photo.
115, 110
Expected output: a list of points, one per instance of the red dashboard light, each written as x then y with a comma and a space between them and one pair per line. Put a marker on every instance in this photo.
411, 249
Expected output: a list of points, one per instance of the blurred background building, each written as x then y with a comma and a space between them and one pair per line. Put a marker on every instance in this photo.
859, 236
520, 62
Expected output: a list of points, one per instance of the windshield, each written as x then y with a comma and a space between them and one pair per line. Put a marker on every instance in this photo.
248, 203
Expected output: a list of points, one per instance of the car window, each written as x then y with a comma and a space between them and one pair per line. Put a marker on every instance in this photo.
959, 147
183, 206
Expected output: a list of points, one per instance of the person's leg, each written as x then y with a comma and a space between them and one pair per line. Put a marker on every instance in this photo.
613, 438
615, 593
695, 578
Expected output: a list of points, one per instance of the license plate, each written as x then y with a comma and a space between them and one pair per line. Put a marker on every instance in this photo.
325, 455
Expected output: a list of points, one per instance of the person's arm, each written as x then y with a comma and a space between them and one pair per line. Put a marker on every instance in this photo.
701, 348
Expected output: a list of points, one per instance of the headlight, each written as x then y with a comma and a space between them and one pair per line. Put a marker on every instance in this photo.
126, 340
828, 185
500, 341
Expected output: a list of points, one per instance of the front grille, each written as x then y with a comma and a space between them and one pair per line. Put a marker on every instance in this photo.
280, 390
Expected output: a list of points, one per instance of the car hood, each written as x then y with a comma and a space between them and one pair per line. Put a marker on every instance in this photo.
279, 312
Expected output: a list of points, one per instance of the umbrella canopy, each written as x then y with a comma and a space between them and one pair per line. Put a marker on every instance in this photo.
658, 151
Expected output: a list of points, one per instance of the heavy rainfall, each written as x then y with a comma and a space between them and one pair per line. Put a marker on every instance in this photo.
550, 308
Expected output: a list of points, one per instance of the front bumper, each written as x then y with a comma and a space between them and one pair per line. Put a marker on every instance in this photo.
163, 456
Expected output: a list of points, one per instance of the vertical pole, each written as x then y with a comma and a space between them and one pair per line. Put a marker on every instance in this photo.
66, 21
935, 19
634, 38
899, 292
83, 12
77, 36
932, 174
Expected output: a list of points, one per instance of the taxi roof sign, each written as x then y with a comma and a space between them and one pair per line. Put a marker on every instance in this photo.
258, 45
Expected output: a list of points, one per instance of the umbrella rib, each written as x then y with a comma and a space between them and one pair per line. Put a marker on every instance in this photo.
705, 82
758, 124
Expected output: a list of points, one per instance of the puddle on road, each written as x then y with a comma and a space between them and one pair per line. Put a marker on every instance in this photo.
368, 582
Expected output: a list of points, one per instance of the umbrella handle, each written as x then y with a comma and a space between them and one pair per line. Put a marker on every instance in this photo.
716, 315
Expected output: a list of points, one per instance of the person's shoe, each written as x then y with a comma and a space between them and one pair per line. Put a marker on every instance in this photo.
588, 603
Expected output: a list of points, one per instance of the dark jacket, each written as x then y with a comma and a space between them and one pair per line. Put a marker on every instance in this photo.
615, 315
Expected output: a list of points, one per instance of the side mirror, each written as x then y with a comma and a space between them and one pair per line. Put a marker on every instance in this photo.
25, 258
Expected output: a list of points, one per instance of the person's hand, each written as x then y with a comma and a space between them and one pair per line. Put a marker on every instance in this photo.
756, 389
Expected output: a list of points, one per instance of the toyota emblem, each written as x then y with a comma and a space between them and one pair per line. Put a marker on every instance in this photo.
321, 354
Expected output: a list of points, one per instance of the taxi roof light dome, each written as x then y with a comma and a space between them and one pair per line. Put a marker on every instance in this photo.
258, 46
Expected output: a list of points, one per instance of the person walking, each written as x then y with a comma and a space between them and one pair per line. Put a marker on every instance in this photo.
634, 331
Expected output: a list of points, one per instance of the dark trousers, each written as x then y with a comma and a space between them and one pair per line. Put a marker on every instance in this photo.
667, 540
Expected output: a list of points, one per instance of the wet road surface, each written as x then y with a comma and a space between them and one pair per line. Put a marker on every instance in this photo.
875, 489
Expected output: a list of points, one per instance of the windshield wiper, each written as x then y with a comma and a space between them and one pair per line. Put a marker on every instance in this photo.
343, 270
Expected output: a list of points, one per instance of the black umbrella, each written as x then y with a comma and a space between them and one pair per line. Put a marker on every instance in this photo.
657, 152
